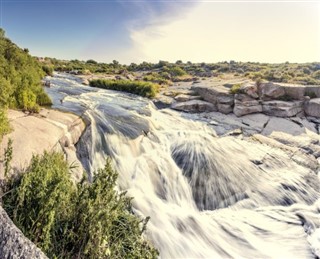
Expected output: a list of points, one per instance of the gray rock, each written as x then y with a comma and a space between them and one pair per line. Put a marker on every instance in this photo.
271, 91
244, 105
85, 81
225, 99
194, 106
240, 110
282, 108
282, 125
255, 121
224, 108
13, 244
312, 107
182, 98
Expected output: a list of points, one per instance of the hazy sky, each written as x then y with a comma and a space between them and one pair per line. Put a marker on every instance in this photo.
136, 31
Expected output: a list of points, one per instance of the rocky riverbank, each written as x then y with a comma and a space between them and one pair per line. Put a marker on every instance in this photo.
48, 130
242, 97
33, 134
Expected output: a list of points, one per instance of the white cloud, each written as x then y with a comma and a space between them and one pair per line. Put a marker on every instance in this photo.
271, 32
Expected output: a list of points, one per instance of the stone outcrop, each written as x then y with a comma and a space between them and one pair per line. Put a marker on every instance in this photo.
312, 107
219, 96
13, 244
281, 108
274, 99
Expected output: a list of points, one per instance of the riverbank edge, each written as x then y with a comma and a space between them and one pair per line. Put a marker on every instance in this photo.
50, 130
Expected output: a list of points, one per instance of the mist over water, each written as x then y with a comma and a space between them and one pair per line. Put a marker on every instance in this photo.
208, 197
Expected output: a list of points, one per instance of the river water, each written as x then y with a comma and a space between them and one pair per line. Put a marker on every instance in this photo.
207, 196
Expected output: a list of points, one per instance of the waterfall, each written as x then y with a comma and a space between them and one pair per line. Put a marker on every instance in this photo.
207, 196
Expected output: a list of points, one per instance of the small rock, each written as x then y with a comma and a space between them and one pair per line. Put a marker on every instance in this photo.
194, 106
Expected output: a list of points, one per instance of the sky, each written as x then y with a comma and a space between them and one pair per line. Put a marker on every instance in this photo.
270, 31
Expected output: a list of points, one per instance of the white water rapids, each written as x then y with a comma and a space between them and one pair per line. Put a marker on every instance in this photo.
207, 196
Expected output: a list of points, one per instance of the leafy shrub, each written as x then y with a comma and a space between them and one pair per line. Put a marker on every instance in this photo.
20, 77
236, 89
4, 124
75, 221
48, 70
142, 88
286, 98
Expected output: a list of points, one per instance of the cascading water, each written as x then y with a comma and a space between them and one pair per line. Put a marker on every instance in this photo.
207, 197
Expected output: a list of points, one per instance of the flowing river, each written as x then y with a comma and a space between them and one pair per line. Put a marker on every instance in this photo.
207, 196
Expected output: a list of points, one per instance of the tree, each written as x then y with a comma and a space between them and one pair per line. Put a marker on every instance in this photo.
2, 33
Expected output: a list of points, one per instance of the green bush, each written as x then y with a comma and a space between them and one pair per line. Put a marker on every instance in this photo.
48, 70
4, 124
87, 220
235, 89
20, 77
145, 89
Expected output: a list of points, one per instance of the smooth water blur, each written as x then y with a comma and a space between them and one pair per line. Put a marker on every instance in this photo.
207, 197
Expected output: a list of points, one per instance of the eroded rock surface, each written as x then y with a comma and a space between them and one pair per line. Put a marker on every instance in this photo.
49, 130
13, 244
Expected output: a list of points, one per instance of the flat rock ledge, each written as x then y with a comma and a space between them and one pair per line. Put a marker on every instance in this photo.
50, 130
13, 244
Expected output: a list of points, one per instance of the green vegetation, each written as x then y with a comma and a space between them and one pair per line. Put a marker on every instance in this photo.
311, 94
4, 124
235, 89
145, 89
286, 98
67, 220
308, 73
20, 81
20, 78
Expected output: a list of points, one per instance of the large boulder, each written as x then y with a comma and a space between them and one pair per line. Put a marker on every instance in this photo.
282, 108
194, 106
312, 107
244, 104
271, 91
